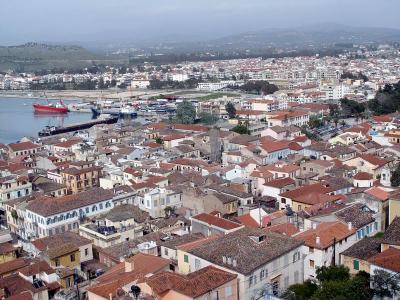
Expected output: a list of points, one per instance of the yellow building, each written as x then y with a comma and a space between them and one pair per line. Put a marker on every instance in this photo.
183, 255
81, 176
66, 255
356, 257
7, 252
394, 209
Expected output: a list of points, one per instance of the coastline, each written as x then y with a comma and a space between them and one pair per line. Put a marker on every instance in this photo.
80, 95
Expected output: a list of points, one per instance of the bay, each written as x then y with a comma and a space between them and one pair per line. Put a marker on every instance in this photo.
18, 119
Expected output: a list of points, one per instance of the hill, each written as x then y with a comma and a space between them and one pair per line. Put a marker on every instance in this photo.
38, 56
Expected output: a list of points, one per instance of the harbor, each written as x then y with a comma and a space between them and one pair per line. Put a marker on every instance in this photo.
53, 130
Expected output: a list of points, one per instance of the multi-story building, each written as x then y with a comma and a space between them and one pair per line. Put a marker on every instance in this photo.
13, 186
46, 216
81, 176
323, 245
157, 201
277, 264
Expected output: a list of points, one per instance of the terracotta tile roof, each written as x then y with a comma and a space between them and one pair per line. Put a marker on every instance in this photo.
392, 233
22, 146
118, 276
248, 221
364, 249
378, 193
54, 241
284, 228
307, 189
133, 172
13, 265
280, 182
200, 242
47, 206
357, 214
374, 160
326, 232
193, 285
69, 143
61, 250
36, 268
388, 259
273, 146
216, 221
191, 127
363, 176
241, 246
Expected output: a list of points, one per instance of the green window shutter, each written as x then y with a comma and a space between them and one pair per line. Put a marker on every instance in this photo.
186, 258
356, 264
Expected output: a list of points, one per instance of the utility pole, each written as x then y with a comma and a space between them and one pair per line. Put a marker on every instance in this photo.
334, 252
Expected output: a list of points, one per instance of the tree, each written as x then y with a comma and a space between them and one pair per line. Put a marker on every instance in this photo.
395, 178
302, 290
257, 87
385, 284
315, 122
351, 107
387, 100
231, 110
241, 129
208, 118
332, 273
159, 140
356, 288
169, 211
185, 113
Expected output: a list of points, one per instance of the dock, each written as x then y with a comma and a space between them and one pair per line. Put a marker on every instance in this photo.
53, 130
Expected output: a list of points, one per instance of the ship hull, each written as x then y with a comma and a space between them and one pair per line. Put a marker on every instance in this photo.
49, 109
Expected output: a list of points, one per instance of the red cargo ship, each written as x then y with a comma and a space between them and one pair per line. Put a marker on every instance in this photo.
51, 108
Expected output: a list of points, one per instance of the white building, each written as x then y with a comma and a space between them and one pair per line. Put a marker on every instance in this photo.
46, 216
263, 261
323, 245
157, 200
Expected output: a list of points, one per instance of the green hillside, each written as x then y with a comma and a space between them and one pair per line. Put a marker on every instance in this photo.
35, 56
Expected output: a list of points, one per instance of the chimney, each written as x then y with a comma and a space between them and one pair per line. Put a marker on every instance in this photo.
110, 296
349, 226
128, 266
234, 262
318, 240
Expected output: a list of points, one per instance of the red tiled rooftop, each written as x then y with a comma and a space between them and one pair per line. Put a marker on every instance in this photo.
216, 221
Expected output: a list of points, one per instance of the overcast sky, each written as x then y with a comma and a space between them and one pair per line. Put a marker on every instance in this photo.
137, 20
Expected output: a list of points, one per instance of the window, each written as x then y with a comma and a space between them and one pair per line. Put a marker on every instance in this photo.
57, 262
228, 291
197, 264
286, 260
72, 256
312, 263
262, 274
86, 251
165, 251
356, 264
186, 258
286, 282
214, 295
296, 276
251, 280
296, 256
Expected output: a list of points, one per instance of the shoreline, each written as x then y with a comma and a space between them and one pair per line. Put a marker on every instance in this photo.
81, 95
